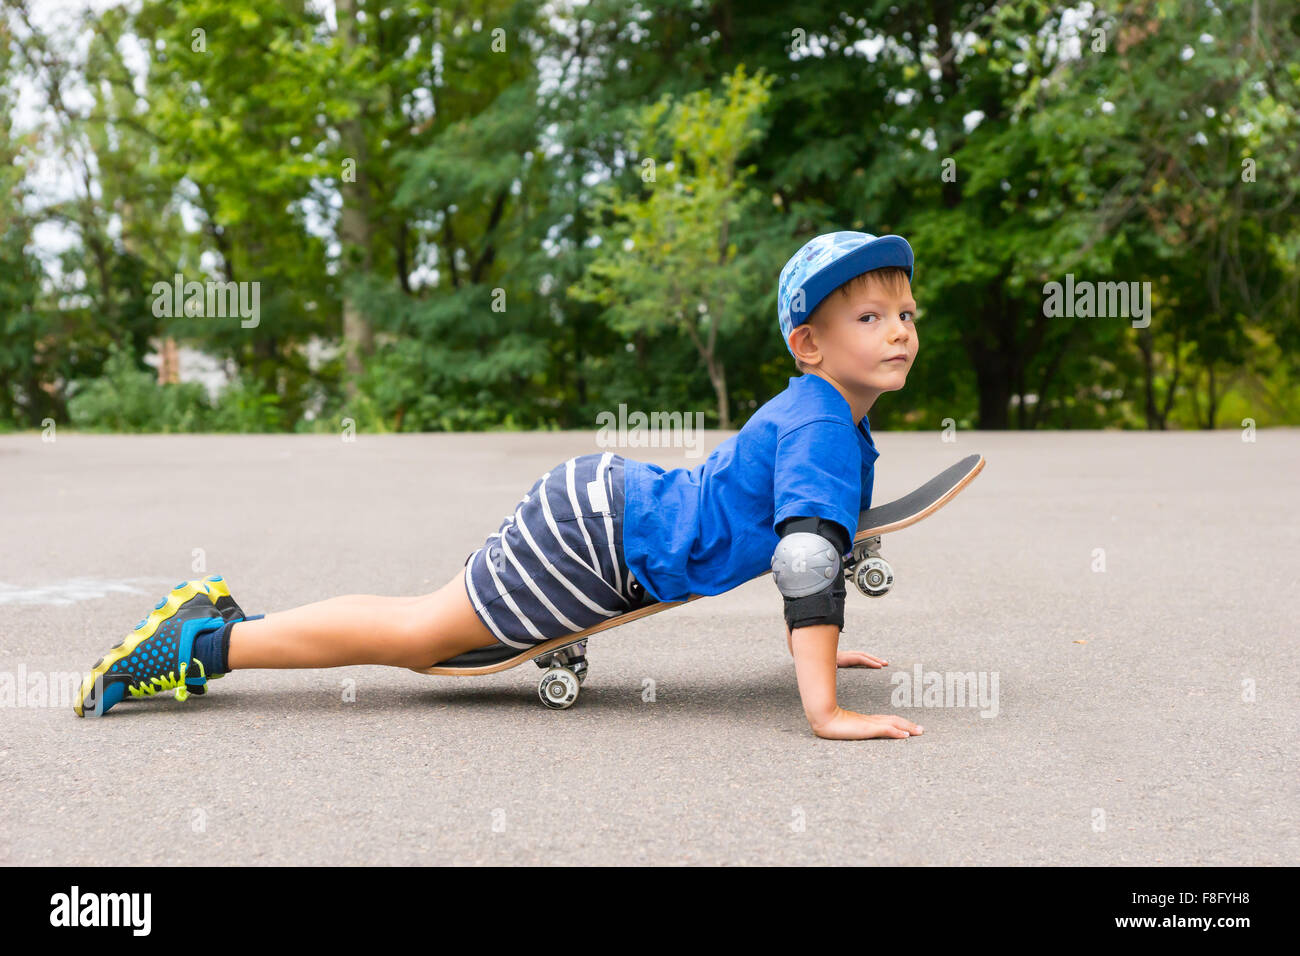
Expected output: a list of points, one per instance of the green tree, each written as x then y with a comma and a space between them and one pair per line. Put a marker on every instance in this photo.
668, 261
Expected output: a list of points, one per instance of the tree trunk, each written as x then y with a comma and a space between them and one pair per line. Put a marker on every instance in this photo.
1020, 401
708, 355
1049, 378
1195, 396
1212, 399
1172, 391
991, 347
718, 376
994, 399
579, 356
169, 363
354, 219
1147, 347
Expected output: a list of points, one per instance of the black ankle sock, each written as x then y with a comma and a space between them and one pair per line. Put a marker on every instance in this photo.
212, 649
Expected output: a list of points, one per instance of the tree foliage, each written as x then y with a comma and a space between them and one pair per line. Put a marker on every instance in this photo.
446, 212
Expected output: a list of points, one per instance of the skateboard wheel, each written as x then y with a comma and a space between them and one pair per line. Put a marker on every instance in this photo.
558, 688
874, 577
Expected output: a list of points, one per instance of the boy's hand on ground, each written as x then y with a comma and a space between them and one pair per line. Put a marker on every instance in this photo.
816, 655
848, 725
858, 659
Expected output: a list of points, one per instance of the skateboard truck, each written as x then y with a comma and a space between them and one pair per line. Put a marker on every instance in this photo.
870, 573
565, 669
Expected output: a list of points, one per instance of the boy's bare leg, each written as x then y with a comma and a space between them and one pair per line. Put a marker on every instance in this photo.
363, 629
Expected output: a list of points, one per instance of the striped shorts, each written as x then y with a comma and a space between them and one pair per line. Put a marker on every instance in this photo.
556, 565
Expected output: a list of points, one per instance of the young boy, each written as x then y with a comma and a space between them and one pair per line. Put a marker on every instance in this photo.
600, 534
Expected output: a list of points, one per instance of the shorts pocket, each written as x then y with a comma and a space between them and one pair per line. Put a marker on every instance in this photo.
595, 497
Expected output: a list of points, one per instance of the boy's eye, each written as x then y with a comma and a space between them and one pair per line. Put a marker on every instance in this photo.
903, 316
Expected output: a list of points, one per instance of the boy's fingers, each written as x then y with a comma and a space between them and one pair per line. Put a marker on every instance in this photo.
902, 723
863, 659
892, 730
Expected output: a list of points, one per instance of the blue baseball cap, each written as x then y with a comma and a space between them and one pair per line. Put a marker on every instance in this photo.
825, 263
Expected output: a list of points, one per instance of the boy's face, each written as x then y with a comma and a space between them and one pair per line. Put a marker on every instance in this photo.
866, 340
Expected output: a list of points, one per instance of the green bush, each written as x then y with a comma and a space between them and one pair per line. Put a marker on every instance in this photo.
245, 407
127, 399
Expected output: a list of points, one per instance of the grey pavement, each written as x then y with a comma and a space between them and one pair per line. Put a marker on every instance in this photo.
1133, 595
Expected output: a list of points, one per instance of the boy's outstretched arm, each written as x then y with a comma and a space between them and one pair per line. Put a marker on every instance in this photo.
806, 566
815, 649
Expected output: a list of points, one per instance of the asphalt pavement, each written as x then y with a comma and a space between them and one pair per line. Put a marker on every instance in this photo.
1123, 604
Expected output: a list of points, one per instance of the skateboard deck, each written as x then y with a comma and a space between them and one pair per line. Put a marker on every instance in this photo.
867, 569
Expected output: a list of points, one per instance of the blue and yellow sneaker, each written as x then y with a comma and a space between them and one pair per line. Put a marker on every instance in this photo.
156, 655
221, 598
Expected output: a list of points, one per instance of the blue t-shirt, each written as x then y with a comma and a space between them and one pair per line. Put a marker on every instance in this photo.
711, 528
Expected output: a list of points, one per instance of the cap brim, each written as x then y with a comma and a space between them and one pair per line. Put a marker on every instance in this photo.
880, 253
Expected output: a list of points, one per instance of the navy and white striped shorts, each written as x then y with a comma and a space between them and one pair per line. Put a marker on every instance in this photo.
556, 565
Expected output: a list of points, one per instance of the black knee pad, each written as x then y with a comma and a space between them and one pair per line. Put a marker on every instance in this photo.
824, 607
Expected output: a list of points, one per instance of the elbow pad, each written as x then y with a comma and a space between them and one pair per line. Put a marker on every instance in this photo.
809, 573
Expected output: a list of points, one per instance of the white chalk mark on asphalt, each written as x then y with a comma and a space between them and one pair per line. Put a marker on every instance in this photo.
64, 592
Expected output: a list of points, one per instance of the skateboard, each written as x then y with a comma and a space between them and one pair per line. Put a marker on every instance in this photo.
564, 659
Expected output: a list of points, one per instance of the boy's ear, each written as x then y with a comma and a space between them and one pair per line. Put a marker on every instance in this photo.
803, 346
